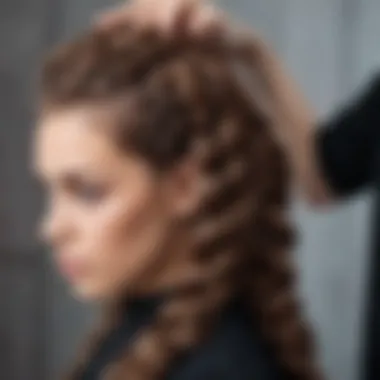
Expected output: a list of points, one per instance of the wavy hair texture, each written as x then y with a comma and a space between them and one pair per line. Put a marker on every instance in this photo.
188, 98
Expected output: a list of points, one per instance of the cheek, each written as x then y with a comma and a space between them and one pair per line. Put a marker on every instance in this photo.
126, 237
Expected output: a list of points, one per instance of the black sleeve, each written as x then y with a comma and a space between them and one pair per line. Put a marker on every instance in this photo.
346, 144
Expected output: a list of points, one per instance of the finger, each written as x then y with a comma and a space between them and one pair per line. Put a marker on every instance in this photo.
176, 16
163, 14
114, 16
207, 20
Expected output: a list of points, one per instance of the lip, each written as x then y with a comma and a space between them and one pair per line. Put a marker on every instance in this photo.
71, 269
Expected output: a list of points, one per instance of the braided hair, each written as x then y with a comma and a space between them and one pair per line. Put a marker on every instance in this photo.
188, 100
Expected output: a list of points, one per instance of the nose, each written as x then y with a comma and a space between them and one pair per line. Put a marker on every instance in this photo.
54, 227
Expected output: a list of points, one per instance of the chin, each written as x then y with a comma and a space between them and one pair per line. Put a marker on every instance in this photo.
89, 293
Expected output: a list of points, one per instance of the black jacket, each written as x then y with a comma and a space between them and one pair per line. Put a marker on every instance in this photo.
235, 351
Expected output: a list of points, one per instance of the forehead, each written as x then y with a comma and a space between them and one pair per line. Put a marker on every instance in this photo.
73, 138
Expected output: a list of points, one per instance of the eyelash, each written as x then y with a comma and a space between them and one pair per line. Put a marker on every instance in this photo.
89, 193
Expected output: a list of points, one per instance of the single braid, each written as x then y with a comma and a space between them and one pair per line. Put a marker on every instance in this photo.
272, 283
186, 319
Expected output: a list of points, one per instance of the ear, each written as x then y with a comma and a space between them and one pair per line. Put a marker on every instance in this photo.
185, 189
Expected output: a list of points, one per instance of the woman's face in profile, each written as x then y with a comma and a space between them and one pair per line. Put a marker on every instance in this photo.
108, 214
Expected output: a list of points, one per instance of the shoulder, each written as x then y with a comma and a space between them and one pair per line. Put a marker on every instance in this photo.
365, 99
375, 83
368, 95
235, 351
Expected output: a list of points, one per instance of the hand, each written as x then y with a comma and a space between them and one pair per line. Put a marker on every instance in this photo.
168, 16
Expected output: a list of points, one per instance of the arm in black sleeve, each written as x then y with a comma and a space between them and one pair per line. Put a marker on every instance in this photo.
346, 145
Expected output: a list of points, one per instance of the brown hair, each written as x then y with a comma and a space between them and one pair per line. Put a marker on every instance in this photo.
187, 97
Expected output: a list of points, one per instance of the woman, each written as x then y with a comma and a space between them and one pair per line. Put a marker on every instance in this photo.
167, 204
